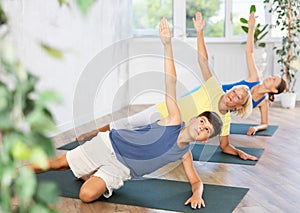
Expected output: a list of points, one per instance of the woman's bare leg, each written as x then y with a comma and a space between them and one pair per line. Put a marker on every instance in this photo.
58, 163
104, 128
93, 133
142, 118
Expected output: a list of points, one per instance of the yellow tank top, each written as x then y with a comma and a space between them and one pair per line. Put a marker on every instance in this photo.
206, 98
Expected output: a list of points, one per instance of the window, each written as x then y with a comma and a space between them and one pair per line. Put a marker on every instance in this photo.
222, 16
147, 14
241, 9
212, 11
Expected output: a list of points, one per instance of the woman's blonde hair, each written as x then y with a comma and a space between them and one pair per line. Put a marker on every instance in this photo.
247, 106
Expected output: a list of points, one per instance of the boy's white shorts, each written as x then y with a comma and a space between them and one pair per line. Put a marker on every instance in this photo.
97, 157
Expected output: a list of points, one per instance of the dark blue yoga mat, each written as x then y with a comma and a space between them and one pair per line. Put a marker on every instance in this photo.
213, 153
201, 152
241, 129
155, 193
70, 146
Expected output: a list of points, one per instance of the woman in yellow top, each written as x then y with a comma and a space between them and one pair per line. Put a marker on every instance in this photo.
210, 97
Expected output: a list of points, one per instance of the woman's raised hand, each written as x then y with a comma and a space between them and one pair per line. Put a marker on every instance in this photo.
164, 31
199, 22
251, 21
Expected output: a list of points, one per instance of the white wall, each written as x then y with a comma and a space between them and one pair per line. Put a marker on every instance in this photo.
79, 37
227, 60
83, 39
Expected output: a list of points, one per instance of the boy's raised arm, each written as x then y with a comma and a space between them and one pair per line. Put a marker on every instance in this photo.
170, 72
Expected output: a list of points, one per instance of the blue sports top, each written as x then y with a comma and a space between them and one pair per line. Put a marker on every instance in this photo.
147, 148
226, 87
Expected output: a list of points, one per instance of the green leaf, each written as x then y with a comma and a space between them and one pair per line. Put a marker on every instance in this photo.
28, 106
20, 151
262, 36
265, 28
40, 121
4, 95
5, 199
29, 86
84, 5
38, 208
9, 140
263, 45
45, 143
47, 97
3, 18
47, 192
8, 55
62, 2
52, 51
7, 176
245, 29
252, 8
244, 21
25, 185
39, 157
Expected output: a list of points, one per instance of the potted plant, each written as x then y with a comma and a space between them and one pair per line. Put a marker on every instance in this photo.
260, 31
288, 20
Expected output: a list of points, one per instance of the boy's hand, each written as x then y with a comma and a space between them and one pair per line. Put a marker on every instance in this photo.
164, 32
199, 23
195, 201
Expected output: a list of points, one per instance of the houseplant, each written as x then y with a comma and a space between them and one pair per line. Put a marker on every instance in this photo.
25, 121
287, 19
260, 55
259, 31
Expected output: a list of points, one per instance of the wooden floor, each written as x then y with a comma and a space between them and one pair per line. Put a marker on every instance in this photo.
274, 181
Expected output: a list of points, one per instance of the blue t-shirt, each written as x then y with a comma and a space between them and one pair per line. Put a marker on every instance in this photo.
147, 148
226, 87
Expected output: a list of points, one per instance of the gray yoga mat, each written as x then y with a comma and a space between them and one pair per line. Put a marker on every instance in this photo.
155, 193
241, 129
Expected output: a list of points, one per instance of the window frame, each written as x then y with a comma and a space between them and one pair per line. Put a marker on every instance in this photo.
179, 20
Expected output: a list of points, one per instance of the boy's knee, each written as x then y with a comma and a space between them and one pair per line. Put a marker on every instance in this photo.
92, 189
87, 195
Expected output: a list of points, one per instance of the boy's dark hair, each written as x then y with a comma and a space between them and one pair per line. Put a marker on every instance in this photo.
215, 120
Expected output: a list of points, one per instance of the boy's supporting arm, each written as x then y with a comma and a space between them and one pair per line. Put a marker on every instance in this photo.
199, 24
170, 72
195, 200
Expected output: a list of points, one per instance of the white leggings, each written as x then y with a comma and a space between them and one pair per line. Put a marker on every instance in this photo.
142, 118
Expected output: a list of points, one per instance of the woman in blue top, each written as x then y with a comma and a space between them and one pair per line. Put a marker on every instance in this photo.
115, 156
259, 89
